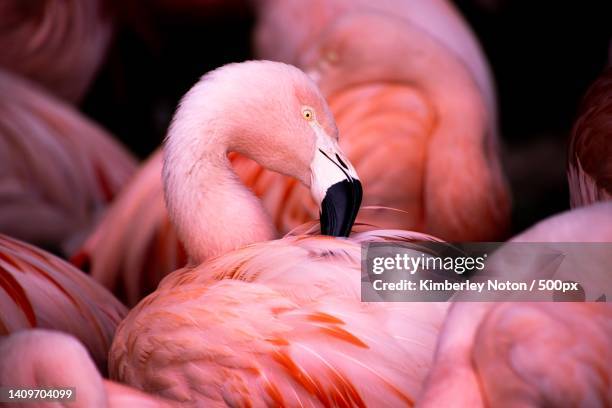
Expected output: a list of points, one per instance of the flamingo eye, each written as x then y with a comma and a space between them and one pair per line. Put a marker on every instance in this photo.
308, 114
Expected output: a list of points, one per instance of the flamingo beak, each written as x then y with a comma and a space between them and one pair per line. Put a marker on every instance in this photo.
336, 187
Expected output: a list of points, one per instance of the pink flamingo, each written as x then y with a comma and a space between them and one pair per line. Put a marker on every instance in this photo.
488, 353
40, 290
59, 44
255, 321
44, 358
529, 354
59, 170
590, 148
426, 109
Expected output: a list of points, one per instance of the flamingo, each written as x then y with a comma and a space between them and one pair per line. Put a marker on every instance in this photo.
590, 152
256, 320
59, 170
522, 354
529, 354
59, 44
39, 290
45, 358
421, 105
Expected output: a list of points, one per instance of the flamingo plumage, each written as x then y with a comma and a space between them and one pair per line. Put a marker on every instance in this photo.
529, 354
256, 334
59, 169
39, 290
256, 320
543, 345
522, 354
44, 358
59, 44
301, 28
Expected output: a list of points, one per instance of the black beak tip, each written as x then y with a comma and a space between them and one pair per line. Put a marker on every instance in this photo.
339, 208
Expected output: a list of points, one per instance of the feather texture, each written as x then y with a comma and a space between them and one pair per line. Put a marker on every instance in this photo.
59, 44
58, 170
277, 323
45, 358
39, 290
533, 354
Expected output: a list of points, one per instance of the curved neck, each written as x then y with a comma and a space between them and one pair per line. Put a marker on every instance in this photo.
212, 211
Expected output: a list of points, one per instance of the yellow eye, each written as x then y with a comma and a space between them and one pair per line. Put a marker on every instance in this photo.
308, 114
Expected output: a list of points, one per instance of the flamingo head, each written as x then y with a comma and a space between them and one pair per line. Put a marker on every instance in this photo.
348, 52
274, 114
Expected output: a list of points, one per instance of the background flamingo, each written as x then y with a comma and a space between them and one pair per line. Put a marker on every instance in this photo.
39, 290
560, 338
44, 358
590, 147
301, 30
529, 353
59, 44
272, 322
59, 170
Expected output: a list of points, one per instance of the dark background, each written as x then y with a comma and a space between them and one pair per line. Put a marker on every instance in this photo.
544, 55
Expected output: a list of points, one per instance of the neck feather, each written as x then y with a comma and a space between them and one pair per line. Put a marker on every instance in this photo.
211, 209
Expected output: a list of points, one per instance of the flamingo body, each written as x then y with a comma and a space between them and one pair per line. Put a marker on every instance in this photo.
39, 290
59, 170
530, 354
250, 328
44, 358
